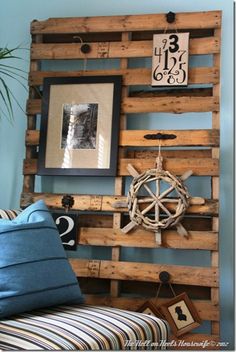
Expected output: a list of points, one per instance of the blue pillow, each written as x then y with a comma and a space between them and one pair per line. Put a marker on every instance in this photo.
34, 270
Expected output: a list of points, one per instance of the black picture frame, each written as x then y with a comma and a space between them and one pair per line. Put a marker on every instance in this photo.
79, 131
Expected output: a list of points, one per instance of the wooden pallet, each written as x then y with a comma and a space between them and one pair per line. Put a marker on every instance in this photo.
125, 38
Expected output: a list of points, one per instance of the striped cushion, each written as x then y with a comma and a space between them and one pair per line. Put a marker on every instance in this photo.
83, 327
9, 214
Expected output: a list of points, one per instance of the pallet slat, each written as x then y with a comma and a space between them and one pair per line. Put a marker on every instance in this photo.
135, 76
113, 50
207, 138
176, 105
185, 20
32, 139
177, 166
205, 240
106, 269
180, 153
108, 203
200, 167
183, 138
206, 310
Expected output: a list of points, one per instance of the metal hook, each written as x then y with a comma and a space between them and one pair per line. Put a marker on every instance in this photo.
170, 17
164, 277
67, 202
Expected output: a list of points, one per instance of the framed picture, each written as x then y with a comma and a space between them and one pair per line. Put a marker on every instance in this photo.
180, 314
149, 308
67, 228
80, 126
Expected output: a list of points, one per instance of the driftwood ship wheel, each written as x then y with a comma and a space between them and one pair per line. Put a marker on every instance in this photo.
158, 202
158, 209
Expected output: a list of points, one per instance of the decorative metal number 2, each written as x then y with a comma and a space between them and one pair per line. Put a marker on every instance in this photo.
170, 59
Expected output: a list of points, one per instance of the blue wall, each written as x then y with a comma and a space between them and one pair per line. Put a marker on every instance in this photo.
15, 18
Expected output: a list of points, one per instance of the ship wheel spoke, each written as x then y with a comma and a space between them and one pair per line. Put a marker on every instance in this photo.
163, 208
165, 193
145, 200
150, 192
148, 207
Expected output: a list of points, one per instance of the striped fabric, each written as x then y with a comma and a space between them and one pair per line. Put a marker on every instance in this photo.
83, 327
9, 214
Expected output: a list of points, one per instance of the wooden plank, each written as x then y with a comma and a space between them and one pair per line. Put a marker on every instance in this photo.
119, 181
205, 309
184, 20
205, 240
208, 137
176, 105
32, 137
189, 275
113, 50
109, 203
131, 76
215, 294
180, 153
200, 167
177, 166
183, 138
29, 180
33, 106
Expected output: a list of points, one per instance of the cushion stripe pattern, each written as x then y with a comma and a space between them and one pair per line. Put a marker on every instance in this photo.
83, 327
9, 214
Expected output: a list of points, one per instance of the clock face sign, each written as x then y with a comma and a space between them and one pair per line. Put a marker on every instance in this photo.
170, 59
66, 224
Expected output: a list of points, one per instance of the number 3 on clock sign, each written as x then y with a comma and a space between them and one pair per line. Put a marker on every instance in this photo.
174, 46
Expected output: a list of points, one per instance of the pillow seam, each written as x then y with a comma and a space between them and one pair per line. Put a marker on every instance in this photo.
34, 261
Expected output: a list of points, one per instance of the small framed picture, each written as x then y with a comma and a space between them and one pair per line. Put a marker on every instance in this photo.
149, 308
181, 314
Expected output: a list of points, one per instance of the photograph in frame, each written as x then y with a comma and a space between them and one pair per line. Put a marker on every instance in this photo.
79, 130
181, 314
